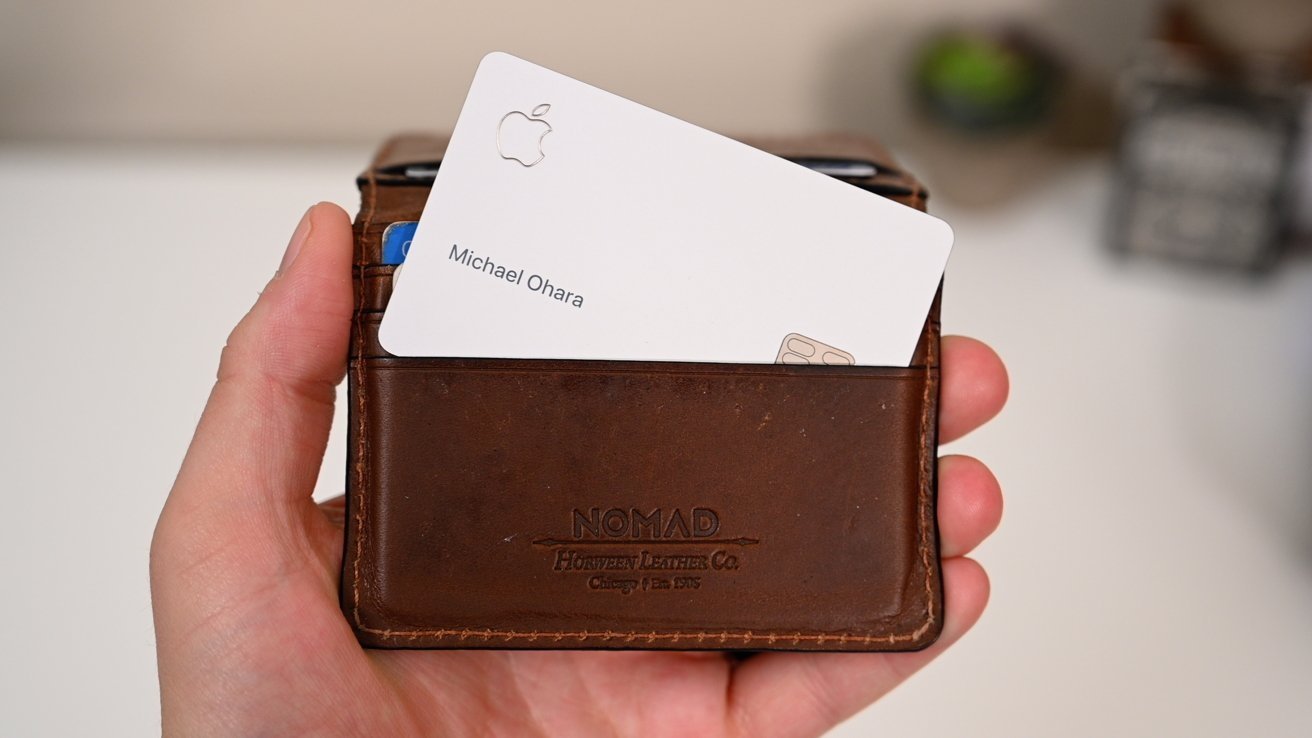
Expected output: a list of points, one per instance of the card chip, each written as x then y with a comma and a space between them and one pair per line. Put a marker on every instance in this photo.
798, 349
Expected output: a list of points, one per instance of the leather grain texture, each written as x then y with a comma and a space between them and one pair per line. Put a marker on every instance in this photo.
650, 505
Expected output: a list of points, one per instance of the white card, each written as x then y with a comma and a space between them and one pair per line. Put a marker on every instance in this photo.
569, 223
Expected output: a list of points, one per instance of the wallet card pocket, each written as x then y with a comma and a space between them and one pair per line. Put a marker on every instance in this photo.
617, 504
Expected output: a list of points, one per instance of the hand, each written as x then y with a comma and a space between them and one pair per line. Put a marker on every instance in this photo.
244, 572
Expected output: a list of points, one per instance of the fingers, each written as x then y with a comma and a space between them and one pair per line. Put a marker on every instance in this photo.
974, 387
969, 504
262, 434
806, 694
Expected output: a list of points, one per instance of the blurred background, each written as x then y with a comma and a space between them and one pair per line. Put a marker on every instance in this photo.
1130, 184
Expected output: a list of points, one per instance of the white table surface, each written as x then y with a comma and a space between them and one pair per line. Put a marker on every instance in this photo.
1152, 576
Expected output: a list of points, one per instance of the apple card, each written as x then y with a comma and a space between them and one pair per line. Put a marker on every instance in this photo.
569, 223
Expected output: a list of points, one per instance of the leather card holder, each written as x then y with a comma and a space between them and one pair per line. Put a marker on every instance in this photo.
546, 504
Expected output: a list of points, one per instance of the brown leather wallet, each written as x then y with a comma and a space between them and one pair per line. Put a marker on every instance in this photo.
643, 505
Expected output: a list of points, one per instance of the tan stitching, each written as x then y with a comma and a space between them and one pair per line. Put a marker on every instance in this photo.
653, 636
370, 208
926, 474
650, 637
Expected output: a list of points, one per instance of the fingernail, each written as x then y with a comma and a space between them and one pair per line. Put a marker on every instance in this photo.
299, 237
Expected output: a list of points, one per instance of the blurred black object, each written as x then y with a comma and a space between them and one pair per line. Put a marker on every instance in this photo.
1206, 149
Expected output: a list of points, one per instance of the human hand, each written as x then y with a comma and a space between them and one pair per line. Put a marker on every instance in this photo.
244, 572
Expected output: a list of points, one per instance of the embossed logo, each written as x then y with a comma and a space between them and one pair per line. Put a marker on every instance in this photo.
699, 522
656, 549
519, 135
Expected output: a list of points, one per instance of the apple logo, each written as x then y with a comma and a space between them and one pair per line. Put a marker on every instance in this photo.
519, 136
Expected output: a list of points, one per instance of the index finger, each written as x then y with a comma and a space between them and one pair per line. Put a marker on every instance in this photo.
974, 389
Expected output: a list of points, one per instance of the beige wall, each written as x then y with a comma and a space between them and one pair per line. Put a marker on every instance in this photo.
336, 70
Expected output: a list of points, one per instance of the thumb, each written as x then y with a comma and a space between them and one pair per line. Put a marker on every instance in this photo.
234, 549
260, 441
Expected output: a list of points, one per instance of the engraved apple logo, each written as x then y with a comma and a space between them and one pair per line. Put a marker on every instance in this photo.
519, 136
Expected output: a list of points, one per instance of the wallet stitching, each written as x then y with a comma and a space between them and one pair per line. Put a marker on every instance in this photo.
722, 636
371, 207
926, 472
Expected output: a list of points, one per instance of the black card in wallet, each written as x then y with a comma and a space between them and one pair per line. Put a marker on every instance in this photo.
498, 503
